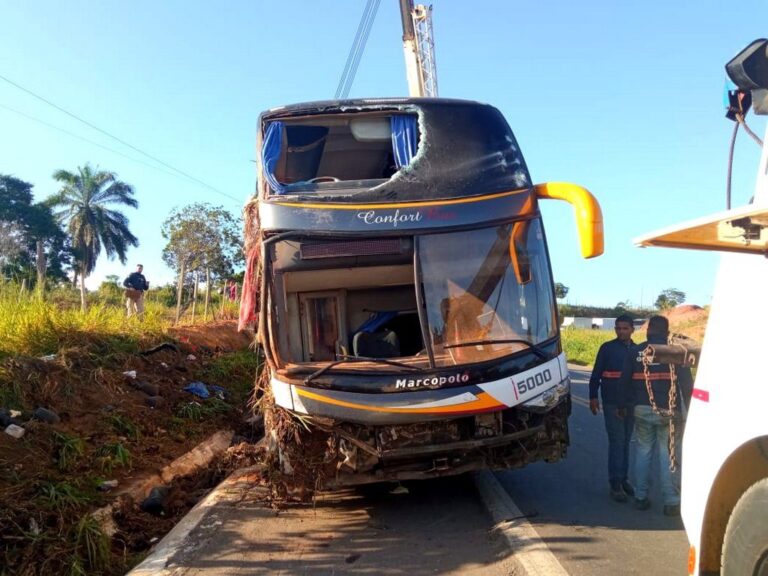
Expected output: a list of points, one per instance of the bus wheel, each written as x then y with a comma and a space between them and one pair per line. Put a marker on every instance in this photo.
745, 550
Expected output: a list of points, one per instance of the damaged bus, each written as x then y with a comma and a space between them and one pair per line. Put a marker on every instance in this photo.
399, 277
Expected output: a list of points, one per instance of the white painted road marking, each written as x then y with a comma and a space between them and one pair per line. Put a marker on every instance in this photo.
528, 548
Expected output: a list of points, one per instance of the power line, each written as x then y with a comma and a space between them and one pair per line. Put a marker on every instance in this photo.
123, 142
107, 148
357, 48
363, 43
348, 63
73, 135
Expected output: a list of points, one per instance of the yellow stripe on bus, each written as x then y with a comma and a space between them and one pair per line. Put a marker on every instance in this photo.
483, 401
401, 204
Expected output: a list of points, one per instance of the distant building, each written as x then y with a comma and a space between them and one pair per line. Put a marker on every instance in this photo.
597, 323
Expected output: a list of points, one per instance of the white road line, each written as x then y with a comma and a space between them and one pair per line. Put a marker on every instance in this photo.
579, 400
528, 548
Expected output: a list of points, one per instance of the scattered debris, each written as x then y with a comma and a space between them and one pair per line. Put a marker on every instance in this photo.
153, 504
399, 489
114, 428
34, 527
45, 415
198, 389
352, 558
48, 358
219, 391
154, 401
147, 388
15, 431
191, 357
107, 485
160, 348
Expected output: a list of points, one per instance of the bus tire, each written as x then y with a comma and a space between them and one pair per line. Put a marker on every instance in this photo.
745, 548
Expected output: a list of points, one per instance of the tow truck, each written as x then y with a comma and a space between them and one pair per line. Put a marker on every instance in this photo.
725, 446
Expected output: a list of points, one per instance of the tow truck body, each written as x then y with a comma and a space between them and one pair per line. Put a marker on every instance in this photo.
725, 446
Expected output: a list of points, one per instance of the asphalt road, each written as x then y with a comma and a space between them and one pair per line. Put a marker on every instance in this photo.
432, 527
568, 505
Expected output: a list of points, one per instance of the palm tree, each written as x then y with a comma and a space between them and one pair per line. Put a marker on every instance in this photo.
83, 203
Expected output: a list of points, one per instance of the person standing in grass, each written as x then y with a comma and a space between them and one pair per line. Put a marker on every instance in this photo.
610, 360
135, 286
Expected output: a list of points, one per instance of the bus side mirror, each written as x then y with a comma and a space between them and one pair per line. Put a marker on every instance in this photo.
589, 217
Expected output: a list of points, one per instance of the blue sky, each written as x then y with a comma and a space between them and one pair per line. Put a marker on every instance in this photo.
624, 98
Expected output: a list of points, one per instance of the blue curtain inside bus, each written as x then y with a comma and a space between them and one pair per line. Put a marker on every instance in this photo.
375, 321
404, 138
270, 154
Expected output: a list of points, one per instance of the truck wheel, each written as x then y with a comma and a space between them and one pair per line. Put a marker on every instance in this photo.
745, 549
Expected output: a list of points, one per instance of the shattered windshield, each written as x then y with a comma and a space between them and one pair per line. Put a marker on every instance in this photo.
414, 302
488, 293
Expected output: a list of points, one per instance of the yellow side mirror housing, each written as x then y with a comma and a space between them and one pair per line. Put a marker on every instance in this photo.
589, 217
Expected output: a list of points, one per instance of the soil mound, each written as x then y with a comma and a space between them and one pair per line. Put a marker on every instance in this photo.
95, 419
689, 320
218, 336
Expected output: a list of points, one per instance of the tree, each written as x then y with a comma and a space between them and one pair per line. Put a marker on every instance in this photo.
621, 307
561, 290
84, 202
669, 298
11, 242
40, 245
201, 238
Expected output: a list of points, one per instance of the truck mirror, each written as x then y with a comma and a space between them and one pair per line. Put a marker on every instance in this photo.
749, 68
589, 217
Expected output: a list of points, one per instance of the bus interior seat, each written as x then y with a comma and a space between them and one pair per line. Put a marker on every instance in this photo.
383, 344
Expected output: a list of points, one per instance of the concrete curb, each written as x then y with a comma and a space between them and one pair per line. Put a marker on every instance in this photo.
228, 491
527, 547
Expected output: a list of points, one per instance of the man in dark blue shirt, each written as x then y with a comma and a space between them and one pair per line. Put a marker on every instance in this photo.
644, 392
605, 377
135, 286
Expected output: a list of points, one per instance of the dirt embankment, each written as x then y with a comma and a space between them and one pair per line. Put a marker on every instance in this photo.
689, 320
109, 420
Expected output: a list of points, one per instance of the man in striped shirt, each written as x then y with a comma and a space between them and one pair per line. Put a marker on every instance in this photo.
605, 377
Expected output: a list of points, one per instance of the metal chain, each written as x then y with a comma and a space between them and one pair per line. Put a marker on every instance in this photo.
672, 402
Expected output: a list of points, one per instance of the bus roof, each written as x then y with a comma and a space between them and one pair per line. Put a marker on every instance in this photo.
465, 148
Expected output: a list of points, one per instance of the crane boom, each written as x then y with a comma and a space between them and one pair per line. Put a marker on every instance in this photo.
419, 48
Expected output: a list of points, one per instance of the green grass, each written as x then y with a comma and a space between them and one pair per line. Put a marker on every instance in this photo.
113, 455
581, 345
29, 326
234, 371
61, 496
197, 411
124, 426
69, 450
91, 545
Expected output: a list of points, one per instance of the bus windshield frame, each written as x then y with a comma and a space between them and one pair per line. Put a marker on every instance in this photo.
483, 294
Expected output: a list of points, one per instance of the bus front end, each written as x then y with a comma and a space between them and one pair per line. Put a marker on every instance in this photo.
407, 312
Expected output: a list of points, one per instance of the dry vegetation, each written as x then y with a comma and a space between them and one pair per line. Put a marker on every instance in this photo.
110, 426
